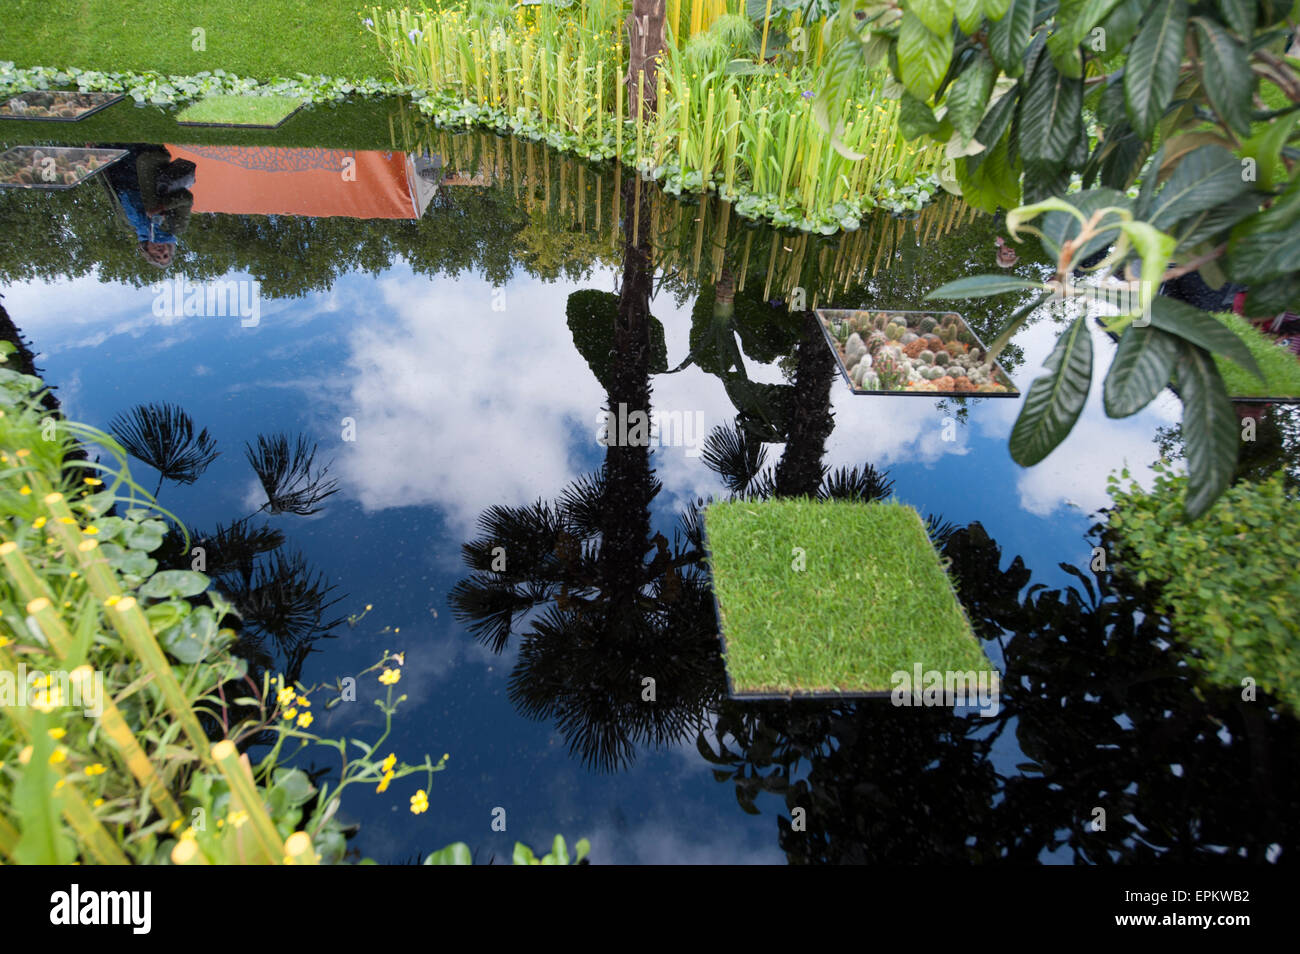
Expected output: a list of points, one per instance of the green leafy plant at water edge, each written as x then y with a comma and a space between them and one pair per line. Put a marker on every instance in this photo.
1179, 125
1227, 581
108, 756
1280, 368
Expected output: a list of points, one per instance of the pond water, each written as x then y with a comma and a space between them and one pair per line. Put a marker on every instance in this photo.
449, 352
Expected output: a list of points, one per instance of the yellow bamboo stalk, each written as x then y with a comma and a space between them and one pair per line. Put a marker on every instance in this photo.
767, 16
298, 849
239, 776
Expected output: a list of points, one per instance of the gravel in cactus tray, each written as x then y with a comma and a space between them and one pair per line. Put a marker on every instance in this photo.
833, 598
912, 352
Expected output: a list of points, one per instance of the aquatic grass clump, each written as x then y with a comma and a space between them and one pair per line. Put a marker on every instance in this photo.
725, 121
228, 110
832, 596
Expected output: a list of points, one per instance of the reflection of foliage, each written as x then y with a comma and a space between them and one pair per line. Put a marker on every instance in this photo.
591, 315
1275, 444
287, 476
163, 436
734, 456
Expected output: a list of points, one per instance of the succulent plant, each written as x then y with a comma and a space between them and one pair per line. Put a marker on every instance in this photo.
926, 357
893, 332
869, 381
891, 373
926, 324
941, 358
965, 337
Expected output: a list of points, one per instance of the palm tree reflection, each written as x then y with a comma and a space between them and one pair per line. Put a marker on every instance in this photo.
164, 437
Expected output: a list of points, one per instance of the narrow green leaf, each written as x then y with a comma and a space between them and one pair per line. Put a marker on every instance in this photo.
1009, 36
983, 286
1209, 428
1143, 363
935, 14
1239, 15
923, 56
1201, 329
1151, 71
1055, 400
969, 14
1049, 114
969, 94
1206, 177
1225, 74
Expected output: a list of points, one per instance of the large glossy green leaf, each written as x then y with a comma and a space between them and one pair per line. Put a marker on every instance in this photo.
915, 118
1225, 73
935, 14
969, 94
982, 286
1119, 27
969, 14
1049, 114
996, 122
1074, 20
1239, 15
1009, 36
1207, 177
1209, 428
923, 56
1201, 329
457, 854
996, 9
1143, 362
1267, 245
1055, 399
1151, 71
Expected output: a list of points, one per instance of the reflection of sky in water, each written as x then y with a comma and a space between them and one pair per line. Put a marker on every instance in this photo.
459, 407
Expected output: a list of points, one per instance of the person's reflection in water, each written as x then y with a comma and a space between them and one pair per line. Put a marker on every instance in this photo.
153, 194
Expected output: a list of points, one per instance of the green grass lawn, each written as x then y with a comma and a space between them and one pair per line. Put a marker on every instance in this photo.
261, 39
871, 599
1280, 367
239, 110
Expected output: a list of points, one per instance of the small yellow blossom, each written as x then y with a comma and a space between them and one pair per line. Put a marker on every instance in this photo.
57, 756
25, 490
304, 702
92, 481
290, 713
390, 676
285, 696
419, 802
97, 802
304, 720
97, 769
388, 763
383, 783
92, 530
58, 733
24, 452
38, 523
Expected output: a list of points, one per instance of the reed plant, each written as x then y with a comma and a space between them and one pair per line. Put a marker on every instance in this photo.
727, 121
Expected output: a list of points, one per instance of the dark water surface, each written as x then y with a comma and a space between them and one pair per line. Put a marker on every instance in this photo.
452, 368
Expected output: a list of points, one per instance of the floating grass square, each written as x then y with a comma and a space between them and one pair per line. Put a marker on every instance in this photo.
262, 111
824, 597
1280, 367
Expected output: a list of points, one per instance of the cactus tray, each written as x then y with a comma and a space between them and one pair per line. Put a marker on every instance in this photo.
53, 167
932, 353
59, 106
834, 599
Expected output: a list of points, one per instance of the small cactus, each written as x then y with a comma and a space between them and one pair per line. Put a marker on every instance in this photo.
926, 357
941, 358
870, 381
926, 324
893, 332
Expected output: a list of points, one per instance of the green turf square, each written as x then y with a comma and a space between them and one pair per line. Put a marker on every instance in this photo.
234, 110
832, 597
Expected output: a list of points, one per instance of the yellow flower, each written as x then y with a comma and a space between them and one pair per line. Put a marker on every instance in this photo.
388, 763
390, 676
24, 452
97, 802
25, 490
38, 523
419, 802
304, 702
97, 769
290, 713
92, 481
5, 641
383, 782
304, 720
285, 696
174, 825
91, 530
238, 818
58, 733
57, 756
